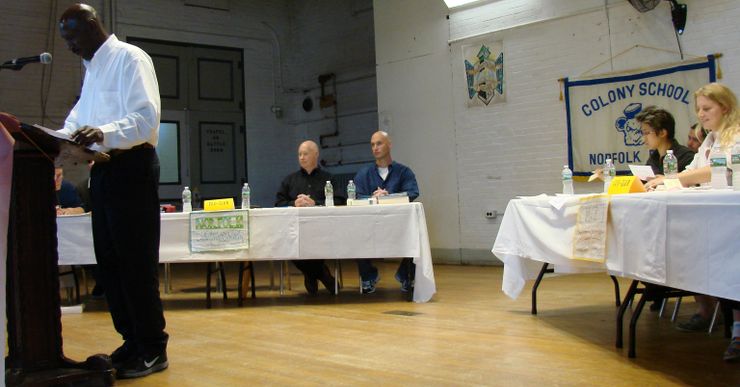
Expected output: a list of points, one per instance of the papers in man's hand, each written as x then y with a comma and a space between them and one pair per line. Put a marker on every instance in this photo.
68, 149
54, 133
643, 172
75, 152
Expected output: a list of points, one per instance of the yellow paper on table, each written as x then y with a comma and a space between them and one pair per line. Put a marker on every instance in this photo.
625, 184
218, 204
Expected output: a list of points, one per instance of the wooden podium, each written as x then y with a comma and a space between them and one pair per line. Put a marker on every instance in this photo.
35, 355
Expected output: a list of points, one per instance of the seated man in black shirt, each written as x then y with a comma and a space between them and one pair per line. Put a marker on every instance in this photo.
658, 131
305, 188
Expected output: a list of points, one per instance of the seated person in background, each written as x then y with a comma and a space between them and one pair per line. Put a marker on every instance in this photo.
658, 131
305, 188
382, 178
83, 189
701, 320
717, 110
697, 134
68, 201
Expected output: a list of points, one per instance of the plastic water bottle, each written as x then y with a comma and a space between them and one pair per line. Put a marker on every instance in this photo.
246, 201
718, 163
609, 172
329, 194
567, 181
351, 190
670, 165
735, 159
187, 200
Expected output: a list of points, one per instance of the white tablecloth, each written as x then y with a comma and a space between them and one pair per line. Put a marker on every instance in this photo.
380, 231
686, 240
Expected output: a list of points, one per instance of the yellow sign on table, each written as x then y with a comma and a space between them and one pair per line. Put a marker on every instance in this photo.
218, 204
625, 184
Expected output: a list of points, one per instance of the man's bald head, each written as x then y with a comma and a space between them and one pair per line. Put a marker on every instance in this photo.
308, 155
381, 145
80, 12
81, 28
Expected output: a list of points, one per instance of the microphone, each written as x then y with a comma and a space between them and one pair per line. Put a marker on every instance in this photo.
18, 63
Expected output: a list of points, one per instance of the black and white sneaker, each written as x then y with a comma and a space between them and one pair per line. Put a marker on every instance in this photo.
123, 354
143, 366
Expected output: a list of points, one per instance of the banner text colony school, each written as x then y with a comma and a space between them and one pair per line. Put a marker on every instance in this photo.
668, 90
678, 93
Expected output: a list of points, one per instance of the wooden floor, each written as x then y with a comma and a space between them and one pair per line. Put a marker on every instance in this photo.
470, 334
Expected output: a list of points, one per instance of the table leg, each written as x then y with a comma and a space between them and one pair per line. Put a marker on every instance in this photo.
616, 289
623, 308
222, 279
537, 285
240, 285
633, 324
410, 274
336, 277
282, 289
167, 283
272, 275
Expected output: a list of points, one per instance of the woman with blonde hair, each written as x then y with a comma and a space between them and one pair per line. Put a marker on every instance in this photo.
717, 110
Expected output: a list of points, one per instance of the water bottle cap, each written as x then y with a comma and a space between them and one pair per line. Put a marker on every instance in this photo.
565, 166
670, 151
186, 187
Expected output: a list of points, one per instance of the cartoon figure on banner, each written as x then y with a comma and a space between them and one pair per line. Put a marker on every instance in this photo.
485, 76
629, 127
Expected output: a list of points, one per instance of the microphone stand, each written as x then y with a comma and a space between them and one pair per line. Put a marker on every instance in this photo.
12, 66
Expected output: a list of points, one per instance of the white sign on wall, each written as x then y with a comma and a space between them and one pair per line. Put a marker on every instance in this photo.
601, 111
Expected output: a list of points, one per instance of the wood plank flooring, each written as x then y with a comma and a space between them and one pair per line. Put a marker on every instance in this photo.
470, 334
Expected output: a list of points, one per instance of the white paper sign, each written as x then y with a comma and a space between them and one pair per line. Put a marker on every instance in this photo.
589, 239
643, 172
219, 230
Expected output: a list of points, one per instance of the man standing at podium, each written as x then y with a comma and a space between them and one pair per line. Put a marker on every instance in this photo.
118, 112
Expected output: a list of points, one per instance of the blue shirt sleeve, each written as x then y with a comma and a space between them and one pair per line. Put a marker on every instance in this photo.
68, 197
409, 185
362, 182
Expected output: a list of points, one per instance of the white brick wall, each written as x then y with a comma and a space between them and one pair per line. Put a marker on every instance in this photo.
519, 147
334, 37
313, 37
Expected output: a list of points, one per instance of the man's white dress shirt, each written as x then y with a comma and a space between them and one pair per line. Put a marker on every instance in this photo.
120, 96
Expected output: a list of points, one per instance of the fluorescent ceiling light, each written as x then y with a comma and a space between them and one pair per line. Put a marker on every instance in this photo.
458, 3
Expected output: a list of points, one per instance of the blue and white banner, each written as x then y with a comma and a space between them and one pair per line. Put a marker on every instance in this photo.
601, 111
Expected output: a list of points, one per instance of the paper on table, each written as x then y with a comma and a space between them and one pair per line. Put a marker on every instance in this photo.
589, 238
644, 172
557, 202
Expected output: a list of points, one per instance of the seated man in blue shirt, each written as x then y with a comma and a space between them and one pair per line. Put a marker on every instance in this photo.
382, 178
68, 202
